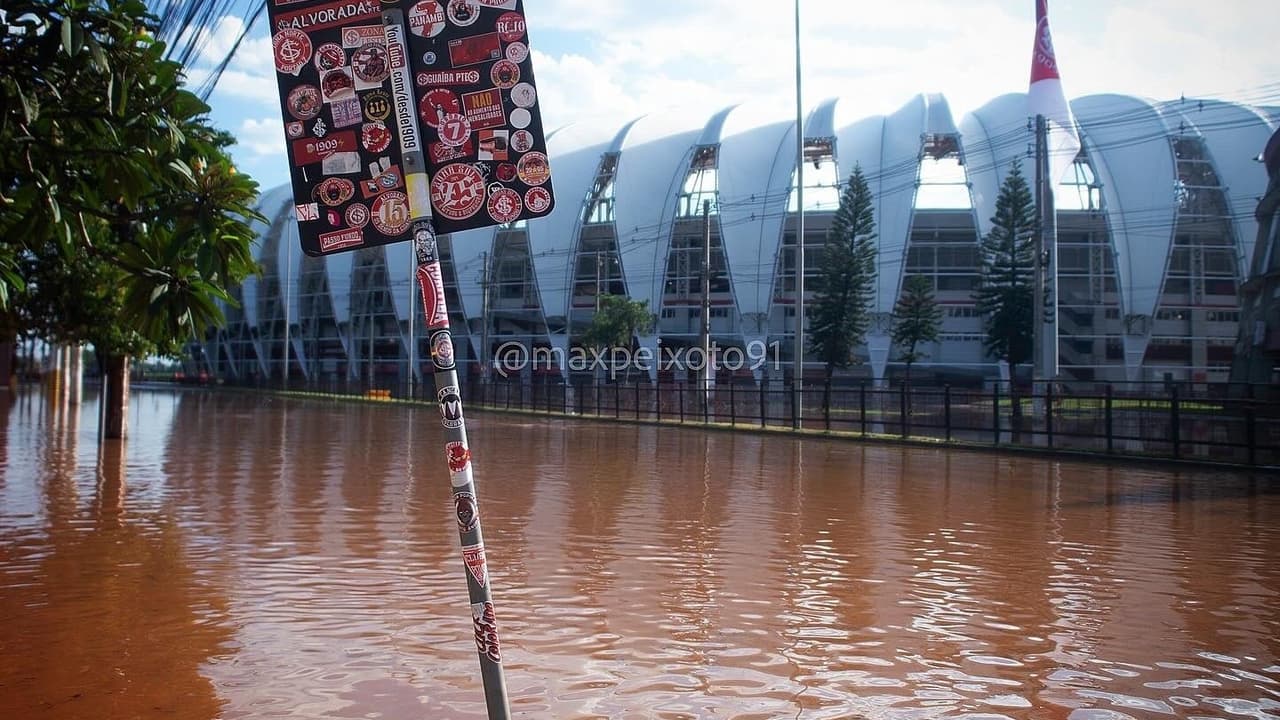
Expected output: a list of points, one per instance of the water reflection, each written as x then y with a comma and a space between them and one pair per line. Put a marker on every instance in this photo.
249, 557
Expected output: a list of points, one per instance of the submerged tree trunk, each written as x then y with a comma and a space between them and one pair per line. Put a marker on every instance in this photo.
116, 397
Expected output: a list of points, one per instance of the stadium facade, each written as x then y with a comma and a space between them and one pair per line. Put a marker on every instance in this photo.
1155, 223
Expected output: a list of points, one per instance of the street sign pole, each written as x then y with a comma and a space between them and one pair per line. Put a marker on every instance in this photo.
435, 309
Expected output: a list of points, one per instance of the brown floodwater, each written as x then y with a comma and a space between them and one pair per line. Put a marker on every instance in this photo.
244, 556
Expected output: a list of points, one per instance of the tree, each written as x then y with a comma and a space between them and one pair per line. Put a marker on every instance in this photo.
1005, 294
121, 214
617, 322
845, 284
917, 319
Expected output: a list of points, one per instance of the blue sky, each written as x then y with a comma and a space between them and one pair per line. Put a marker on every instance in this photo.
601, 63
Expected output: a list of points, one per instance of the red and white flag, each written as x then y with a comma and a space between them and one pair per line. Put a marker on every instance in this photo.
1047, 98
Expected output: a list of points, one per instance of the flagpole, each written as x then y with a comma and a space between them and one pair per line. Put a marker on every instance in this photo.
1038, 263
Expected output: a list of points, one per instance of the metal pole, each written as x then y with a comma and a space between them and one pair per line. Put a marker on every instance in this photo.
797, 371
413, 343
1037, 324
436, 313
707, 369
484, 317
284, 281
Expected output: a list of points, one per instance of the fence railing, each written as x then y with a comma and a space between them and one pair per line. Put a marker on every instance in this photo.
1174, 421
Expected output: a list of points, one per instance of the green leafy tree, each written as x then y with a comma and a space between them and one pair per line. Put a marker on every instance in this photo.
617, 323
1005, 293
122, 218
917, 319
845, 285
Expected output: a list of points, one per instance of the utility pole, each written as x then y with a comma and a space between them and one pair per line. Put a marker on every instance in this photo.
708, 365
484, 316
797, 372
1045, 328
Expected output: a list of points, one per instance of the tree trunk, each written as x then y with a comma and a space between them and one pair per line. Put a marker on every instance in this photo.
116, 398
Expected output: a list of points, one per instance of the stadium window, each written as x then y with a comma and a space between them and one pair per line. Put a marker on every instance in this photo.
1079, 189
821, 183
701, 184
941, 182
599, 205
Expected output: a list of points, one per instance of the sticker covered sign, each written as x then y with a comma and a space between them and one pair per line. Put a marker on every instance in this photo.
479, 113
333, 70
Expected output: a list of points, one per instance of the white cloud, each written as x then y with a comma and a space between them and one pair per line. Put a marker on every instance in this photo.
262, 136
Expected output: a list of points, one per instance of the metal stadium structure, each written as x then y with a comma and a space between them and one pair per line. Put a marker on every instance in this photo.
1155, 228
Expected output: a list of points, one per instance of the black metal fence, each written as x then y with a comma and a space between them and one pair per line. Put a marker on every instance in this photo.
1212, 423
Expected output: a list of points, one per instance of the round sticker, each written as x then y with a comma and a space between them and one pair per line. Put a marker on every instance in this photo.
520, 118
442, 351
337, 84
533, 169
523, 95
510, 26
437, 103
371, 63
334, 191
455, 129
429, 58
463, 12
426, 19
522, 141
506, 172
505, 74
375, 137
390, 213
330, 56
517, 52
377, 105
357, 215
304, 102
292, 49
504, 205
538, 200
457, 191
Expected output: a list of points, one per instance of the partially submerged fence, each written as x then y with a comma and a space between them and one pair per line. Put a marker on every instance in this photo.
1188, 422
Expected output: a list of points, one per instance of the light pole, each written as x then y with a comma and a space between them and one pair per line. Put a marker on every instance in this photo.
797, 372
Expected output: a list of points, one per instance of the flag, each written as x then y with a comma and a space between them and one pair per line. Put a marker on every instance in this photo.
1047, 98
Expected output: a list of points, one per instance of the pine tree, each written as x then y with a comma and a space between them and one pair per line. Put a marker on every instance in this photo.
845, 285
1005, 294
917, 319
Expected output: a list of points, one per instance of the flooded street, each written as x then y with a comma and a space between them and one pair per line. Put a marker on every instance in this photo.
245, 556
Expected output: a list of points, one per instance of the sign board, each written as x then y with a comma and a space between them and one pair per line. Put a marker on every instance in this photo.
471, 87
478, 110
333, 70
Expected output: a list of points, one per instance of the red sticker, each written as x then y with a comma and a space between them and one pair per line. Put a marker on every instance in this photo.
458, 456
388, 179
463, 12
390, 213
538, 200
474, 49
334, 191
504, 205
313, 150
522, 141
505, 74
292, 50
371, 63
437, 103
441, 153
533, 168
484, 108
510, 26
487, 643
426, 18
330, 56
431, 281
357, 215
437, 78
473, 556
304, 102
506, 172
455, 130
343, 12
375, 137
457, 191
337, 85
341, 239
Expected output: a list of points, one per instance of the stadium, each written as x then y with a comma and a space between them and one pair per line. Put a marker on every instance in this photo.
1155, 234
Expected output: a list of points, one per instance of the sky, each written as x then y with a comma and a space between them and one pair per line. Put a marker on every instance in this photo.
600, 63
